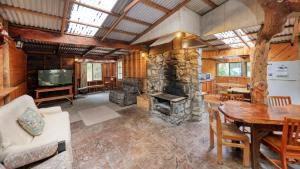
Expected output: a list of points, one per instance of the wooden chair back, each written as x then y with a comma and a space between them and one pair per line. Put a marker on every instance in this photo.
291, 135
215, 120
237, 97
279, 100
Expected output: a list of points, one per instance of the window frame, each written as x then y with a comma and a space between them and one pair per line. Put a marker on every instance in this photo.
101, 76
229, 67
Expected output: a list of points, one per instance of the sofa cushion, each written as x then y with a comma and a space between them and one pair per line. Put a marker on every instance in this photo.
32, 122
12, 133
29, 156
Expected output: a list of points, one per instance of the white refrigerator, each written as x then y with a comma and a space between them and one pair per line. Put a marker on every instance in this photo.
284, 79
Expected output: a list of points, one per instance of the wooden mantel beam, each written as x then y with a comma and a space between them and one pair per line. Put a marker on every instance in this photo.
57, 38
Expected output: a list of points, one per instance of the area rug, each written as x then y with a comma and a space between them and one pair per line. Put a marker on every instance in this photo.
97, 115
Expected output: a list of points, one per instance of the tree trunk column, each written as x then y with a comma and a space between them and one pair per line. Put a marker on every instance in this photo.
259, 70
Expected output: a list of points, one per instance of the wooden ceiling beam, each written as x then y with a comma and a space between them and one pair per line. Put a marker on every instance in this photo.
112, 13
210, 3
295, 30
155, 6
111, 52
162, 19
18, 9
105, 28
126, 10
63, 21
57, 38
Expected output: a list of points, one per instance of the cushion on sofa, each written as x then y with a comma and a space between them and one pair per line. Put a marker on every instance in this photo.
32, 122
12, 133
29, 156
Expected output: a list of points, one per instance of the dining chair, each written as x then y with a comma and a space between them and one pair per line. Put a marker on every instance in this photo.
226, 97
286, 145
226, 132
279, 100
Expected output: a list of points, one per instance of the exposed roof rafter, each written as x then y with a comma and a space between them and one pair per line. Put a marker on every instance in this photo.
242, 40
105, 28
63, 21
115, 24
4, 6
112, 13
156, 6
210, 3
162, 19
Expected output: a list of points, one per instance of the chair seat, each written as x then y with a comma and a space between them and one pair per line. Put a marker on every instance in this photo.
275, 143
230, 131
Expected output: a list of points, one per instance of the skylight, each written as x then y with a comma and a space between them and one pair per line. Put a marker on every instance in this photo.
231, 39
89, 16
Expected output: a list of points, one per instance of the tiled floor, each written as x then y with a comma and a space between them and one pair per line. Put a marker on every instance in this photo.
138, 141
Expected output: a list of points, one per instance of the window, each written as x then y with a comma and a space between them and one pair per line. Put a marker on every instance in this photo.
223, 69
89, 70
248, 69
235, 69
230, 69
94, 71
120, 70
97, 71
86, 21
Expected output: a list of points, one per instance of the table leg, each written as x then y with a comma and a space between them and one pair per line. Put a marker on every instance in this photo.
256, 136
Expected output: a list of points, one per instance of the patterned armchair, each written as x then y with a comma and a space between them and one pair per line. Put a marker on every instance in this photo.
127, 94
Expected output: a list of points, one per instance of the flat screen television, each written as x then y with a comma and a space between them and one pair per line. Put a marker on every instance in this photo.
55, 77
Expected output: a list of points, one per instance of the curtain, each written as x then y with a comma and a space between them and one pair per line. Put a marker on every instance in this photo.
83, 81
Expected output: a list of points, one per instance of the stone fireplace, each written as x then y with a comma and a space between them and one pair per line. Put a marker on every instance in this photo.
173, 84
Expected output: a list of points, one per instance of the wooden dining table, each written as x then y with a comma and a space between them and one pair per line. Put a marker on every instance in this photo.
260, 118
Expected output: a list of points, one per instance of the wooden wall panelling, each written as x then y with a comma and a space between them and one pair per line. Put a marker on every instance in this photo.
284, 52
17, 64
39, 62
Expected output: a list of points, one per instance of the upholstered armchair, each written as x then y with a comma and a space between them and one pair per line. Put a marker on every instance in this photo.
127, 94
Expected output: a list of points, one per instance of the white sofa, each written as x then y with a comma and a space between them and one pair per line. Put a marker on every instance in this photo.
15, 139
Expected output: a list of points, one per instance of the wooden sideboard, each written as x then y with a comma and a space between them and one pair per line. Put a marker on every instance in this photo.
69, 96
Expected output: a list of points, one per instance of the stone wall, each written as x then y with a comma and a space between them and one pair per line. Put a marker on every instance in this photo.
175, 72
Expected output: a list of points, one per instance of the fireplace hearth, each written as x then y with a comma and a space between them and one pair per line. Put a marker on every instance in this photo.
169, 107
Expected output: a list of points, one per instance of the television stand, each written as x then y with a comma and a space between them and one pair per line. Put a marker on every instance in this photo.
38, 99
